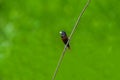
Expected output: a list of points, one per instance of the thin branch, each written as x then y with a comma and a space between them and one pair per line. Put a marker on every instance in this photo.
73, 30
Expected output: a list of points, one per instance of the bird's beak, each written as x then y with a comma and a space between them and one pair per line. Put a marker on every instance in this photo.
60, 32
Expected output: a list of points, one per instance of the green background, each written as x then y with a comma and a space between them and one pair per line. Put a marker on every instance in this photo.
30, 43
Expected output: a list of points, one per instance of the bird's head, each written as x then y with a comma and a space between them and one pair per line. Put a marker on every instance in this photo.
62, 33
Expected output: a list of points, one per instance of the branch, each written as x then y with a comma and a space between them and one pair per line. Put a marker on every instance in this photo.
73, 30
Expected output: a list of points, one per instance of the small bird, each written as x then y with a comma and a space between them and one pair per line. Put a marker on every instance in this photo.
64, 38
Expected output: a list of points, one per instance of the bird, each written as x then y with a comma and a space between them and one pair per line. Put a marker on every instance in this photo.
64, 38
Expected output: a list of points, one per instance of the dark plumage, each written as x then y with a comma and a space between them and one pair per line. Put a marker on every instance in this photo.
64, 38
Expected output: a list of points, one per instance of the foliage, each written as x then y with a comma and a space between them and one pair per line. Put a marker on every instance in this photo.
30, 43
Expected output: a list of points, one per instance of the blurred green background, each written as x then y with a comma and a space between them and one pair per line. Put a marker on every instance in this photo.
30, 43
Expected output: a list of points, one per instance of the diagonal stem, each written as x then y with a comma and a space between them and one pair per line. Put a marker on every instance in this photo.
73, 30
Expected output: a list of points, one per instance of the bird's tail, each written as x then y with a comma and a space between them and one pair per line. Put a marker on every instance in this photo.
68, 46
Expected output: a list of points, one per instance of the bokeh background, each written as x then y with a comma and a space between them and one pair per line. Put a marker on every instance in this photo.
30, 43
